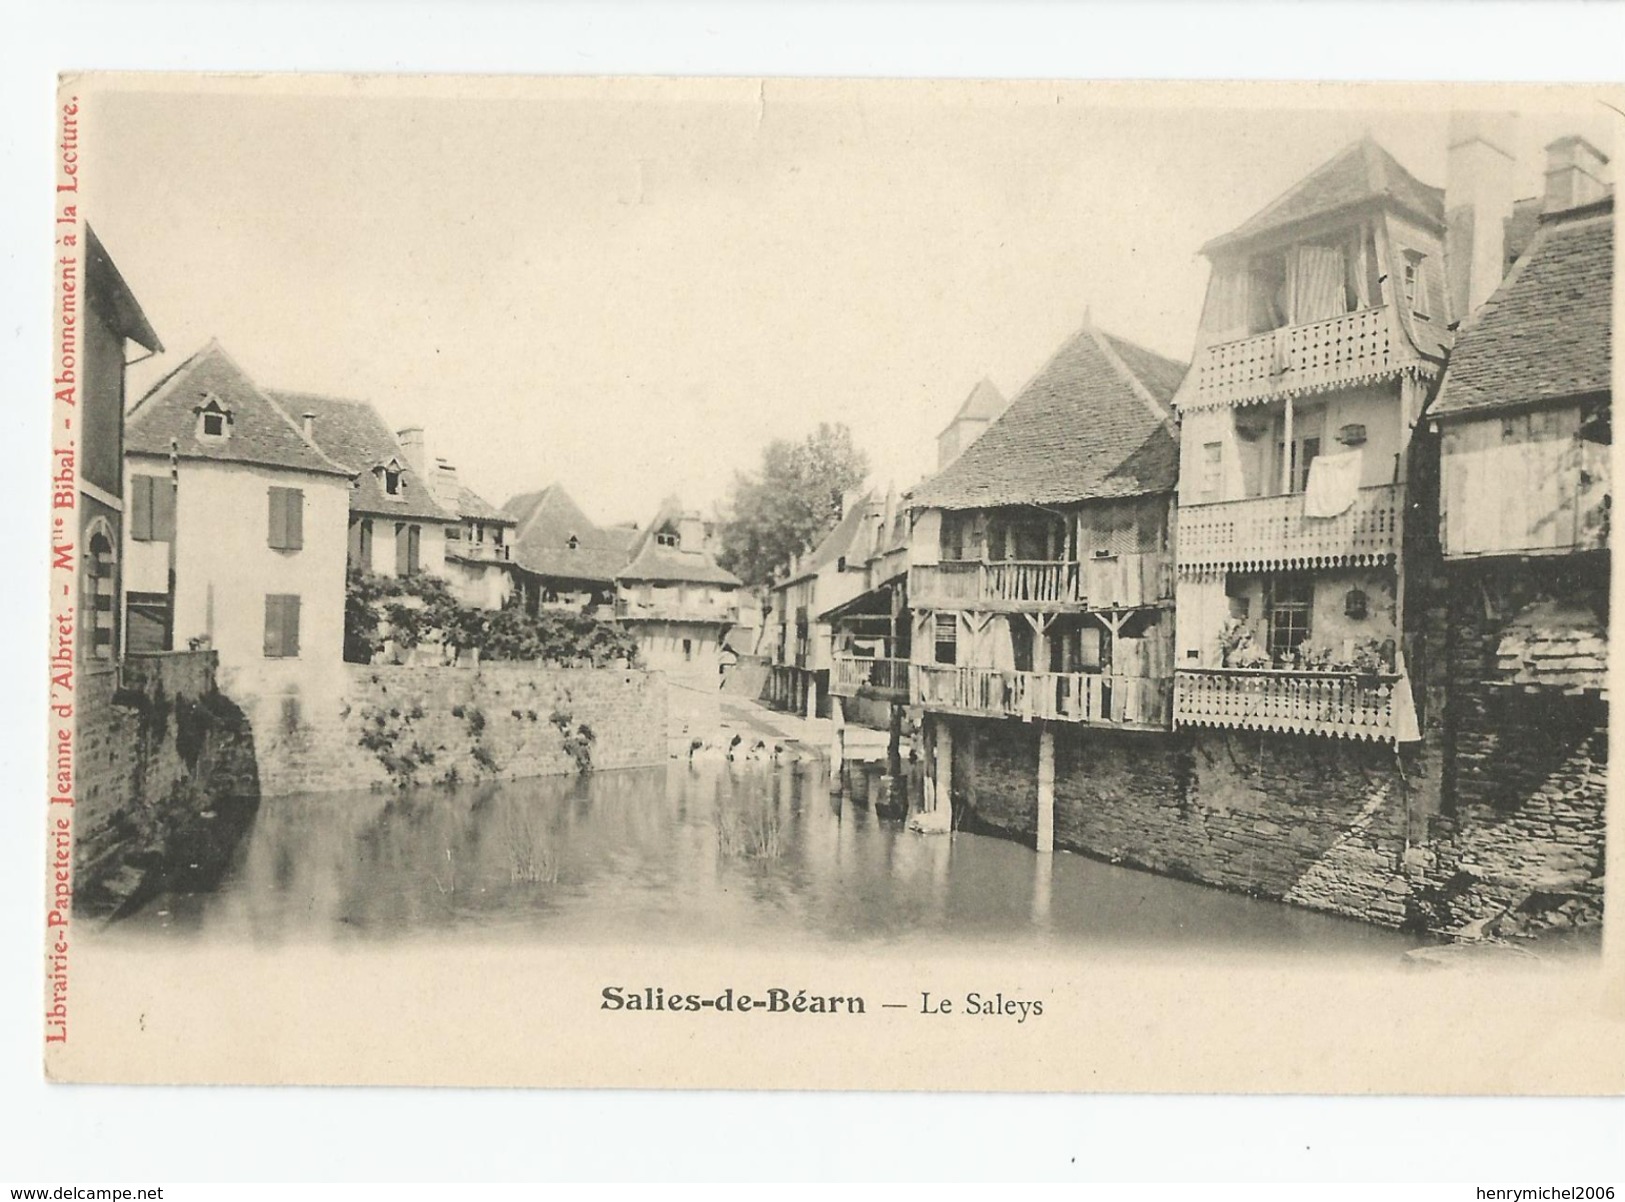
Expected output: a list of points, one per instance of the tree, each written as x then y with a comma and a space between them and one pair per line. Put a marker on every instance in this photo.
791, 502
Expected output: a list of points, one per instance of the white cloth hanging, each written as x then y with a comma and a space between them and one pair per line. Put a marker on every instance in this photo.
1406, 727
1334, 482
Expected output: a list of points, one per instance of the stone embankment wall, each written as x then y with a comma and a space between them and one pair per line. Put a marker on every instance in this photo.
399, 725
1327, 824
166, 780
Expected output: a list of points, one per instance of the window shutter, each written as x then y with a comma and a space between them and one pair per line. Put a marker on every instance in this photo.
162, 507
294, 502
141, 509
273, 625
402, 563
290, 625
414, 547
278, 536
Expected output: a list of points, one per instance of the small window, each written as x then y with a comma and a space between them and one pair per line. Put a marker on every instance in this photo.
281, 625
1291, 602
1212, 470
152, 509
840, 563
574, 543
454, 533
688, 649
213, 419
947, 638
392, 481
287, 519
666, 538
1415, 290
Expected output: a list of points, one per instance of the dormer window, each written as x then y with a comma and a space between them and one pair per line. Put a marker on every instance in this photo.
213, 420
667, 538
573, 543
392, 476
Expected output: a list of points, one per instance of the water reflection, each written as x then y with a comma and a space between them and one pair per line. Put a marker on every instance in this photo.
739, 853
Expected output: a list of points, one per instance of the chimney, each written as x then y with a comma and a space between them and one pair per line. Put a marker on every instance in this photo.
1575, 171
691, 531
309, 420
1477, 205
446, 491
411, 440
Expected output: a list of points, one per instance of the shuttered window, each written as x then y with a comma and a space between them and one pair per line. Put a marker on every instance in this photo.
152, 509
408, 549
287, 519
281, 625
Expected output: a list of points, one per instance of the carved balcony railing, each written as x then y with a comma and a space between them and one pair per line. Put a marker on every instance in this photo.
1351, 348
854, 674
1340, 705
1273, 533
1110, 581
1133, 702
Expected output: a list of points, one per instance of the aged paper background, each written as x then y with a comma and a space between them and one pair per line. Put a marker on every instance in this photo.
480, 1013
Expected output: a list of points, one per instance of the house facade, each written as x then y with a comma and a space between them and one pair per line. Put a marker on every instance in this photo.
562, 559
235, 538
396, 526
1040, 567
1324, 331
871, 633
479, 563
1524, 424
108, 322
675, 599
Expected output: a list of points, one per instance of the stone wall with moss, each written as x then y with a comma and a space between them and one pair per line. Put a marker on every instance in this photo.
167, 780
399, 725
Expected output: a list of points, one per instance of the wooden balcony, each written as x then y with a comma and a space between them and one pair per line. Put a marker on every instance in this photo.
1108, 582
675, 610
1338, 705
1128, 702
1352, 348
1272, 533
869, 675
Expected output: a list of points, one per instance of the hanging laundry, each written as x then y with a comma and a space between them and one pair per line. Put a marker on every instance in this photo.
1334, 482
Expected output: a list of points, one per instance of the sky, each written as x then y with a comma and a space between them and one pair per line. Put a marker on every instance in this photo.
629, 287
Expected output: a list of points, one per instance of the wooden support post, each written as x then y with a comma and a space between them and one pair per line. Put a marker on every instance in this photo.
837, 743
945, 767
1286, 449
1046, 788
894, 740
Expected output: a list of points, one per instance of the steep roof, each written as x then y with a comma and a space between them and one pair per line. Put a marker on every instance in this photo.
849, 538
354, 432
471, 505
1546, 332
647, 559
1360, 172
547, 520
1087, 426
260, 432
984, 403
106, 289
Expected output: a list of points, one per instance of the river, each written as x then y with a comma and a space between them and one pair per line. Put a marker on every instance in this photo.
747, 854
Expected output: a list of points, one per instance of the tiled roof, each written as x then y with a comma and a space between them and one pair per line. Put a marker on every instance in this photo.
1555, 644
984, 403
471, 505
648, 560
1360, 172
353, 432
1546, 332
1087, 426
260, 432
541, 544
